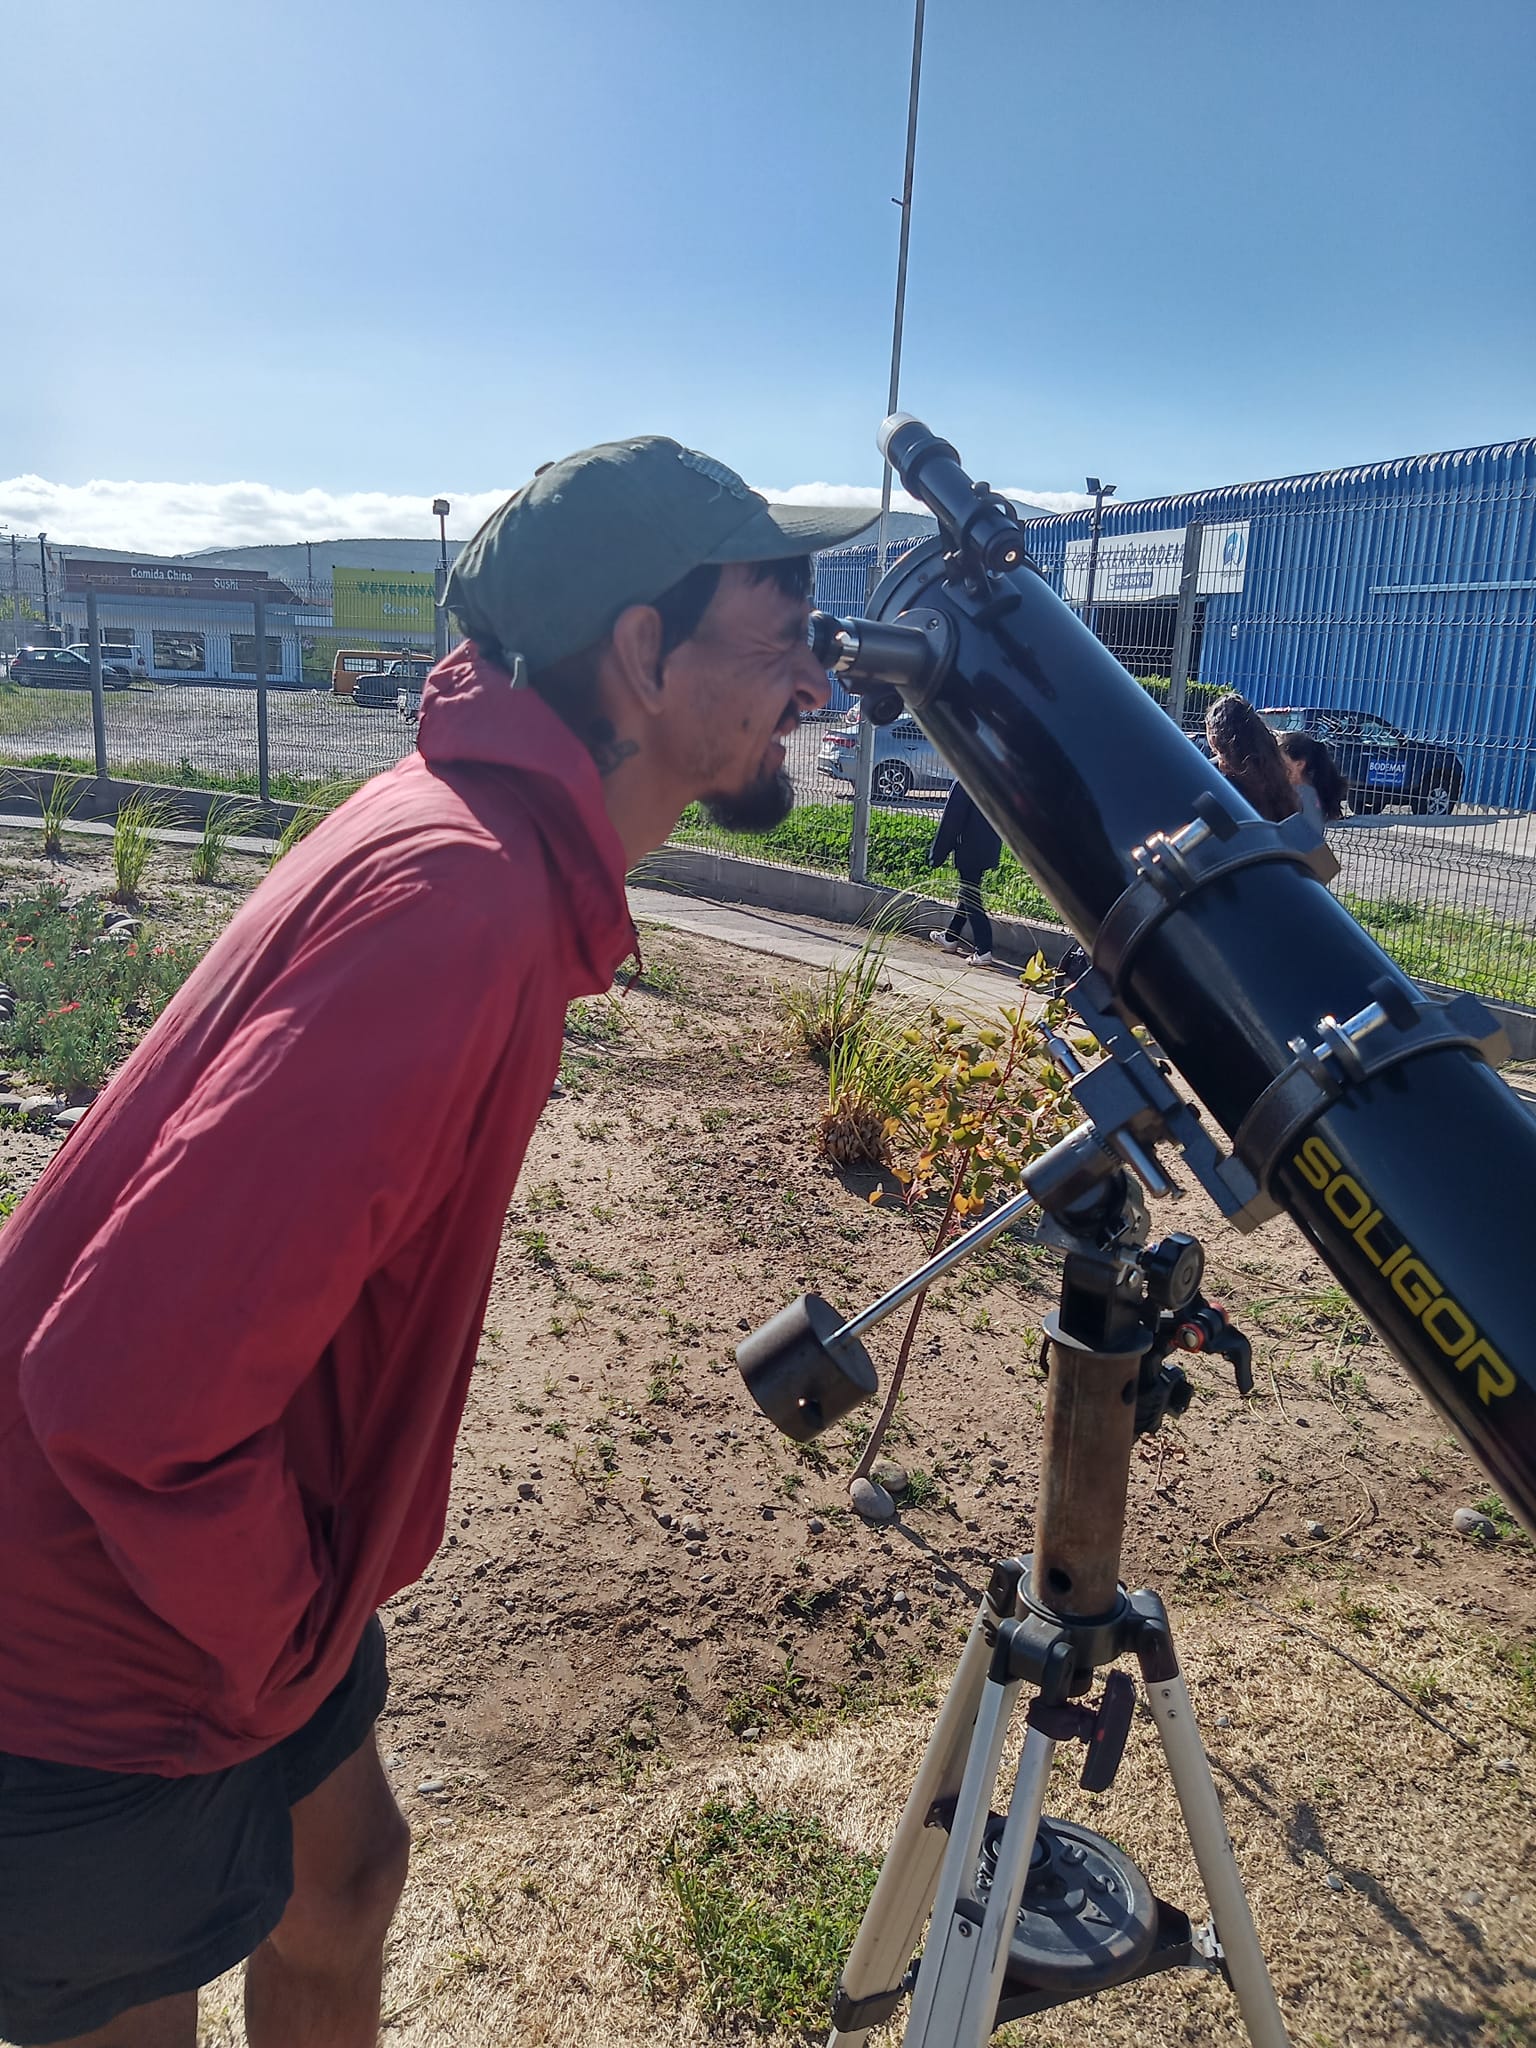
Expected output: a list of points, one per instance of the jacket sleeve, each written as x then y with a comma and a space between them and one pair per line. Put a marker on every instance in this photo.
317, 1139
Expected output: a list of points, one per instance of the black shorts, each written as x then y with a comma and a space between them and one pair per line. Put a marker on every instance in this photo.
119, 1888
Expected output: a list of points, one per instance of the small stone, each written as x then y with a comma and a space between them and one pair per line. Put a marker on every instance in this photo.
751, 1734
1223, 1720
901, 1601
694, 1549
663, 1521
526, 1490
1334, 1882
693, 1529
430, 1786
11, 1102
974, 1527
887, 1473
1507, 1765
815, 1526
1468, 1522
39, 1108
1303, 1422
1316, 1531
68, 1118
871, 1502
1472, 1898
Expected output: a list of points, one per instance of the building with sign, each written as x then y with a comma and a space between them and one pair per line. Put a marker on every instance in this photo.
188, 623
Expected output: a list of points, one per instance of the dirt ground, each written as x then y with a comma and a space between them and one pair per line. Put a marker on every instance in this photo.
645, 1594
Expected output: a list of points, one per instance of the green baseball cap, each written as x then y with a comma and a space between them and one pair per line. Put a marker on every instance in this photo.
552, 568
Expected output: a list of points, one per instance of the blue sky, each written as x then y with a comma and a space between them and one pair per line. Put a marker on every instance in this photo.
341, 249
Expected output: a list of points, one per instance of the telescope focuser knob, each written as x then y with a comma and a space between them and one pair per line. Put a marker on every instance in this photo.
798, 1377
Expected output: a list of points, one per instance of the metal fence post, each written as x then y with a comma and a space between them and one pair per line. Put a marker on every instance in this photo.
98, 694
263, 757
440, 613
864, 752
1184, 620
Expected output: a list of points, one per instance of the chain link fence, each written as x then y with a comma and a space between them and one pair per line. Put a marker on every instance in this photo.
1421, 685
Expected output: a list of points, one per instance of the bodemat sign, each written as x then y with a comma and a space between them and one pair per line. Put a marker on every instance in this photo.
175, 580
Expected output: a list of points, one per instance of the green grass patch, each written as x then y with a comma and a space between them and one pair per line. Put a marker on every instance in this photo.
82, 1000
1470, 949
817, 836
765, 1904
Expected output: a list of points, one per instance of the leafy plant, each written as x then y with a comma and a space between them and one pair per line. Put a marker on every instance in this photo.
133, 841
226, 820
982, 1101
81, 999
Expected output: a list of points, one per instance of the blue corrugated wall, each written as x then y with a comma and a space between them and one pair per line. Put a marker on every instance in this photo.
1403, 588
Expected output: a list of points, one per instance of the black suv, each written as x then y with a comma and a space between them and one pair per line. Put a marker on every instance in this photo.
60, 668
1380, 765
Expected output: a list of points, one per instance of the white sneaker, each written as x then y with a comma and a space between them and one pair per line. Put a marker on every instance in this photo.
981, 960
943, 939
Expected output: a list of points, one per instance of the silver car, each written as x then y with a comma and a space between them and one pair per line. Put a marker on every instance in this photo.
904, 760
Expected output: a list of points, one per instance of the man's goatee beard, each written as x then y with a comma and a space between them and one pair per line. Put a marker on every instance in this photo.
758, 808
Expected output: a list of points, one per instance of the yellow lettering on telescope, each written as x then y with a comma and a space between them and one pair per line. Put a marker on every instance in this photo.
1449, 1327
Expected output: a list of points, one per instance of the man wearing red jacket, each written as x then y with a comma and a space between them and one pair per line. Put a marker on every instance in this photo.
239, 1311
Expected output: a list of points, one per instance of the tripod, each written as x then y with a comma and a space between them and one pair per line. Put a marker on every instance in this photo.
1024, 1913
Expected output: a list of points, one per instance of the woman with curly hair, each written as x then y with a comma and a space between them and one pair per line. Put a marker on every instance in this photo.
1244, 749
1315, 778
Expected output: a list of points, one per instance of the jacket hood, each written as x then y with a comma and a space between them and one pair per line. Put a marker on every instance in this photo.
474, 715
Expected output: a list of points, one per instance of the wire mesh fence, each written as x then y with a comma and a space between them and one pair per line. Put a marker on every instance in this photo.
1393, 619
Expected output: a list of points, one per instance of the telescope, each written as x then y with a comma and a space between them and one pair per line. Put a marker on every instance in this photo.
1364, 1108
1335, 1091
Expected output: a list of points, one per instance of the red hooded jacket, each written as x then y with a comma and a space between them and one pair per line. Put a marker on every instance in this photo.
239, 1311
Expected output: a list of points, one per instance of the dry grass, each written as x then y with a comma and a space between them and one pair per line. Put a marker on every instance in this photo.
516, 1928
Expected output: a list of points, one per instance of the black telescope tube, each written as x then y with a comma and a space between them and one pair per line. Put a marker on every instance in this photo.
1416, 1187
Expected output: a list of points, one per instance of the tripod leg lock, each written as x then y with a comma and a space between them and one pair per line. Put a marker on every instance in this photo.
858, 2015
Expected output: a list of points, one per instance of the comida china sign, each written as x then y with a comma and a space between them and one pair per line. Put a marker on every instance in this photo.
172, 579
1136, 566
390, 602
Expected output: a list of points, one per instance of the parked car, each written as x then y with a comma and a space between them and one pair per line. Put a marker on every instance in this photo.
1379, 763
374, 679
412, 675
120, 661
904, 760
62, 668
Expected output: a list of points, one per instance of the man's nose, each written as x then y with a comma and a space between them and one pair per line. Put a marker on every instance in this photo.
812, 689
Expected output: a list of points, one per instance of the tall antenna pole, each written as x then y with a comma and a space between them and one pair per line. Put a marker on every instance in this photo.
864, 764
905, 203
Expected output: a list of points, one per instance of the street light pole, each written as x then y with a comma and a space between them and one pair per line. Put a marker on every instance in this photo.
439, 614
1100, 493
864, 765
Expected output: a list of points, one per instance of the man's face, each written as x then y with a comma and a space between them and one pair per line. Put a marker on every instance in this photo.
740, 687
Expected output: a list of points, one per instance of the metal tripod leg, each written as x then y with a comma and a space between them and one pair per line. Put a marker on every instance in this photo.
1189, 1767
869, 1989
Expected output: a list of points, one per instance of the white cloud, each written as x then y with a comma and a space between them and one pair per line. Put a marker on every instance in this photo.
180, 518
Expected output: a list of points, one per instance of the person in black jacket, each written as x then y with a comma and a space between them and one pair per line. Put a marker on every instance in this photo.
964, 833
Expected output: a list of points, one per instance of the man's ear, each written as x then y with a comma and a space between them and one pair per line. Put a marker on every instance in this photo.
636, 657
